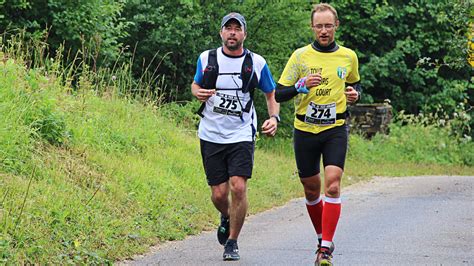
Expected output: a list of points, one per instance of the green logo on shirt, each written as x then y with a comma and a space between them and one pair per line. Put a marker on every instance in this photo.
341, 72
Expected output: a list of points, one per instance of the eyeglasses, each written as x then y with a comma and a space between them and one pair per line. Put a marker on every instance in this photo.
326, 26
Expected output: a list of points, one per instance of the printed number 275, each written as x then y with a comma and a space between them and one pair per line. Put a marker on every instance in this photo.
228, 104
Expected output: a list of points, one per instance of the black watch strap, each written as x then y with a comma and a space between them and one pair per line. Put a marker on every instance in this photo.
277, 117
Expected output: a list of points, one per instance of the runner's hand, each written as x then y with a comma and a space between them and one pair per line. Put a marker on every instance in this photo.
269, 127
313, 80
351, 94
203, 94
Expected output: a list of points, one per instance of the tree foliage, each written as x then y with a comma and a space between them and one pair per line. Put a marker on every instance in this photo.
95, 26
413, 52
178, 31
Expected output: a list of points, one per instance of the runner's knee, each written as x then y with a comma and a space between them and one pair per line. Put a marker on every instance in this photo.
219, 193
238, 186
218, 196
312, 187
333, 190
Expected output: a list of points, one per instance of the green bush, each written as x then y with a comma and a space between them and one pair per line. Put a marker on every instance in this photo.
41, 116
183, 115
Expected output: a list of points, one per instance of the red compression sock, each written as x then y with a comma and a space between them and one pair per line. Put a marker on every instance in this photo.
331, 213
315, 210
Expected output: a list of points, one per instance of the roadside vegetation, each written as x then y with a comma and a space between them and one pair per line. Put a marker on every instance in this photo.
99, 157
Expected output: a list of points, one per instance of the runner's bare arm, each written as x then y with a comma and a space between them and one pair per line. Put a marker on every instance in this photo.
269, 126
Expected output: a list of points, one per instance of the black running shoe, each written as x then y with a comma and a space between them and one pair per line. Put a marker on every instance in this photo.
223, 230
231, 250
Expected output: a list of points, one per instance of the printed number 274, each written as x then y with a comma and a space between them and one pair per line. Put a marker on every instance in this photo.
319, 113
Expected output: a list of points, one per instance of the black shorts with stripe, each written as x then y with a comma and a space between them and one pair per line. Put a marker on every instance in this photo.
331, 144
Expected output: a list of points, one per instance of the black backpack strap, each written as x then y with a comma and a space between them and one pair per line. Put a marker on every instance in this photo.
249, 79
201, 109
211, 71
210, 76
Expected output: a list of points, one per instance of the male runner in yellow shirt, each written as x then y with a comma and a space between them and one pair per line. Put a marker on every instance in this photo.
323, 76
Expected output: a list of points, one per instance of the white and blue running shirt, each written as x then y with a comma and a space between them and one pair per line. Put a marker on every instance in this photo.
222, 122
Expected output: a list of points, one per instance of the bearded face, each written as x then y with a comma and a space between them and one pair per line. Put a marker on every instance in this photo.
233, 35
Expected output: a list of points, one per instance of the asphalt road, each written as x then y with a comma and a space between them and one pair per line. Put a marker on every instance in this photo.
425, 220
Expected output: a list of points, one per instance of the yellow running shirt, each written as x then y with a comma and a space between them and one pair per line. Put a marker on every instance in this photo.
323, 102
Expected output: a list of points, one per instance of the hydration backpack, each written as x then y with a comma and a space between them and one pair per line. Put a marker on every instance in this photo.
247, 73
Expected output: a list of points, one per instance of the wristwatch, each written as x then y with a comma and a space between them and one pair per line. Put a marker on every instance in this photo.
277, 117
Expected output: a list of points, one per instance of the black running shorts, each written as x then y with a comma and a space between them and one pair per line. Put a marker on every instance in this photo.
222, 161
331, 144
